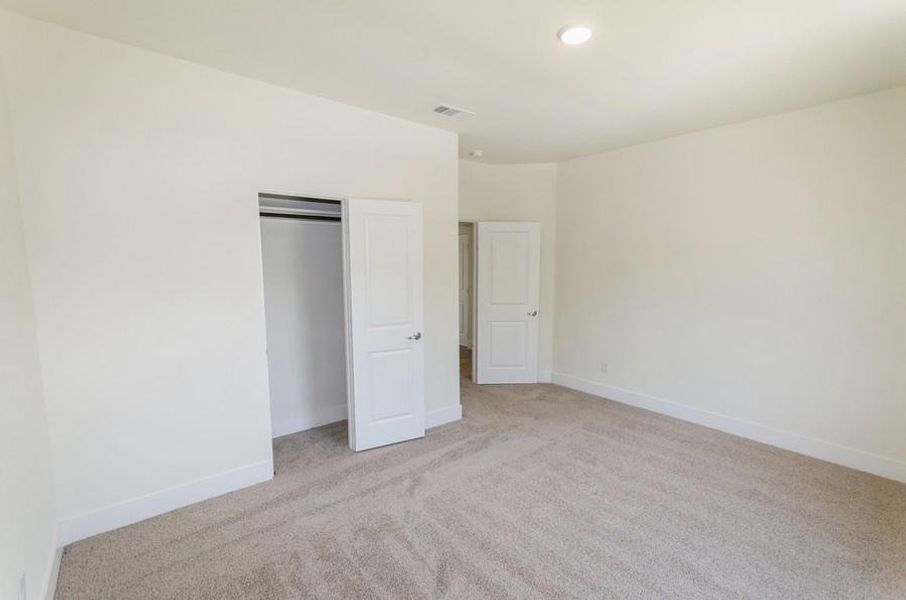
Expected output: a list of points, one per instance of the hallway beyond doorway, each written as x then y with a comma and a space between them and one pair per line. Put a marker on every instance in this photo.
465, 363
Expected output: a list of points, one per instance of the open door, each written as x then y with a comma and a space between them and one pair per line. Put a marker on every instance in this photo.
508, 269
385, 352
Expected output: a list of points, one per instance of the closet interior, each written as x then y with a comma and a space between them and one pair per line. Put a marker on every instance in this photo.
302, 259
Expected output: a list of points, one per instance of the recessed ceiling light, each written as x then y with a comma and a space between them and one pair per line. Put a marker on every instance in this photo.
574, 34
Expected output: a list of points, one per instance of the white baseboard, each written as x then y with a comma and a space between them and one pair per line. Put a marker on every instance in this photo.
443, 416
53, 571
545, 377
138, 509
323, 416
833, 453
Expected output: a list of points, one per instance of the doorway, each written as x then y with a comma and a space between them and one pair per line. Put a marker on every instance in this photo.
466, 298
302, 262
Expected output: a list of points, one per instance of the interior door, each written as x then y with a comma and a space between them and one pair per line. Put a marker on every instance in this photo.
465, 289
385, 352
508, 269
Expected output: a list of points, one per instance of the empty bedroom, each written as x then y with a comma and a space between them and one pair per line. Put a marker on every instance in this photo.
341, 299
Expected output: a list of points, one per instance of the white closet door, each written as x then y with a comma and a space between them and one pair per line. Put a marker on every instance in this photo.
509, 266
385, 348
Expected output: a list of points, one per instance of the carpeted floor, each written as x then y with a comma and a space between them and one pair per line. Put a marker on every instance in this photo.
539, 492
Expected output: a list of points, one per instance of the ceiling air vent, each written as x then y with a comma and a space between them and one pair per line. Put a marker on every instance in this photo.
452, 111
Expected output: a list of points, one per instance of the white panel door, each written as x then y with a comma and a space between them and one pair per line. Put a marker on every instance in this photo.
509, 266
385, 353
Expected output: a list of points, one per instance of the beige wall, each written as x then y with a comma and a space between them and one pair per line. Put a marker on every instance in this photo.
518, 193
139, 178
756, 271
27, 513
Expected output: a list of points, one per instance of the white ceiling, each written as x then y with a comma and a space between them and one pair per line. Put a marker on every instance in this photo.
653, 69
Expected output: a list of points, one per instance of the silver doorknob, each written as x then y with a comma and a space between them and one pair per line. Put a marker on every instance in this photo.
417, 336
534, 313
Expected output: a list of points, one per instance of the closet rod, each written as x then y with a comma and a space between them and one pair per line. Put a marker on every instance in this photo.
299, 216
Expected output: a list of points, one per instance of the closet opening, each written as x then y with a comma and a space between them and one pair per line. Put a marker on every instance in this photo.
302, 261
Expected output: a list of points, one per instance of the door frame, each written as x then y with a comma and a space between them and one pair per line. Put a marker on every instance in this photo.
344, 242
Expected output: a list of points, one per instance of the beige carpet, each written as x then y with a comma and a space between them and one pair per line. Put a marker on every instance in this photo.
540, 492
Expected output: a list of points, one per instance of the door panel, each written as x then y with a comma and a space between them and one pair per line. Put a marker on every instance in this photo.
391, 373
509, 265
508, 342
510, 282
386, 250
384, 302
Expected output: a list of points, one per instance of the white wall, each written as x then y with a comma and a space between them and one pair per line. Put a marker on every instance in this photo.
518, 193
303, 298
28, 522
139, 179
755, 271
